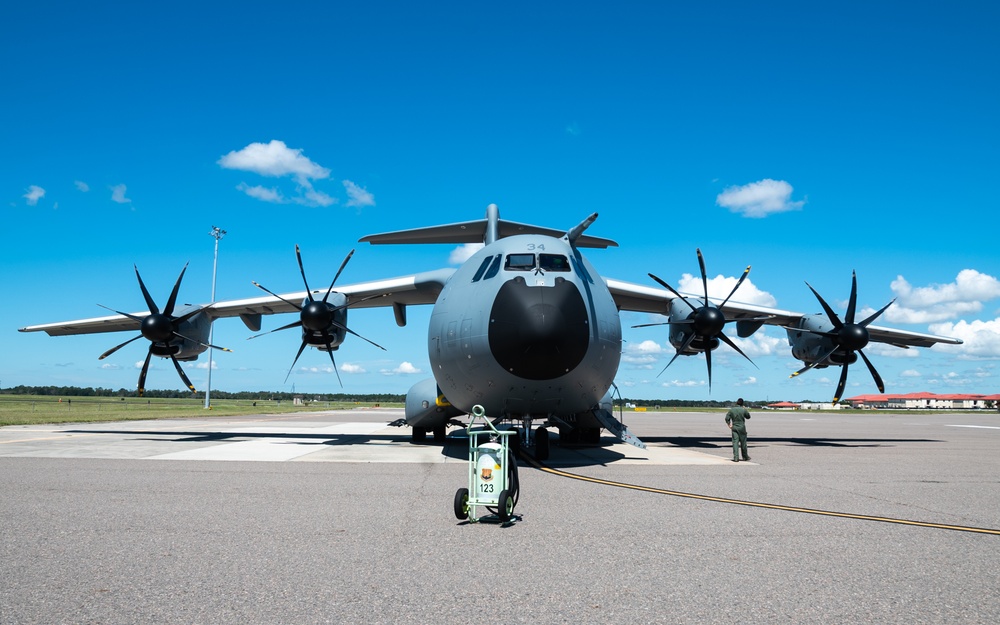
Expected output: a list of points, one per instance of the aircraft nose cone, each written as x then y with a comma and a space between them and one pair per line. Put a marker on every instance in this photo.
539, 333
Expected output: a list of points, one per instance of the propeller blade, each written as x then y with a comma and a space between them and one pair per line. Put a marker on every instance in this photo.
294, 324
704, 276
350, 331
832, 316
853, 302
841, 384
680, 350
302, 270
142, 374
875, 375
153, 308
123, 314
708, 363
188, 338
342, 265
301, 349
662, 323
169, 310
815, 362
117, 347
330, 348
269, 292
180, 371
728, 342
874, 316
746, 273
672, 290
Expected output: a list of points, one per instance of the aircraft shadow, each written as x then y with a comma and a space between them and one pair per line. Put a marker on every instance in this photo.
718, 442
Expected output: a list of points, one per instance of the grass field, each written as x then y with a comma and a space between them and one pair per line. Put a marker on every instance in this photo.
32, 409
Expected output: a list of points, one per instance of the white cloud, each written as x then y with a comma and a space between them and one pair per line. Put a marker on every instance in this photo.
758, 344
404, 368
118, 194
82, 186
940, 302
204, 365
910, 373
274, 159
34, 194
749, 381
759, 199
463, 253
358, 196
261, 193
111, 366
720, 286
277, 160
352, 368
684, 384
981, 338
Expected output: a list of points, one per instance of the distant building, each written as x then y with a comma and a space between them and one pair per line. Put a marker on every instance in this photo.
925, 401
784, 405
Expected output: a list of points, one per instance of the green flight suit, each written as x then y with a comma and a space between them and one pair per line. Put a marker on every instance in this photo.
736, 417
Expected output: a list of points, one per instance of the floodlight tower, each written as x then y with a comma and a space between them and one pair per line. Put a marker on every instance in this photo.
217, 234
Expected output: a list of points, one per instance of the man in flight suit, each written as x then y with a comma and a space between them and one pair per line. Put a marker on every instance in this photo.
736, 420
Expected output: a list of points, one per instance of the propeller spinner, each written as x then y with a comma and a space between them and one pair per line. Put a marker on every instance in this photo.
317, 318
847, 336
160, 328
706, 321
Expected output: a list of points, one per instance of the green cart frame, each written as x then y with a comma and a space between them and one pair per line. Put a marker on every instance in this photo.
493, 482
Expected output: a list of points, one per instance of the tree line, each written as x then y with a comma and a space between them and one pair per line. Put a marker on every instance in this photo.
366, 398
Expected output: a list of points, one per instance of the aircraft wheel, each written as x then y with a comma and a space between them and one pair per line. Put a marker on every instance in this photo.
440, 433
419, 435
505, 506
541, 444
462, 503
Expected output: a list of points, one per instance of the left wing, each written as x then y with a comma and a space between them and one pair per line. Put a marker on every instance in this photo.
416, 289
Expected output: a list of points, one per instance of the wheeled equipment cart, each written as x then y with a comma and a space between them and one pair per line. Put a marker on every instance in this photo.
493, 482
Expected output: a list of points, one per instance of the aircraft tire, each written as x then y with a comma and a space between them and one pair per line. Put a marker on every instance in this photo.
505, 505
440, 433
419, 435
462, 504
541, 444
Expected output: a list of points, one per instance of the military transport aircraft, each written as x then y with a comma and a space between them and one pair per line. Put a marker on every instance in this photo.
526, 327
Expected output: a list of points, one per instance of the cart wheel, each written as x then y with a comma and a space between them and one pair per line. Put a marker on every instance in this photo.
541, 444
505, 505
462, 503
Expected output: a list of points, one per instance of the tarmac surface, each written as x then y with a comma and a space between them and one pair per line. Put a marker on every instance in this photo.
336, 518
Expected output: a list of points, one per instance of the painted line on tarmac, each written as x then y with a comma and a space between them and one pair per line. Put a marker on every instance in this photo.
757, 504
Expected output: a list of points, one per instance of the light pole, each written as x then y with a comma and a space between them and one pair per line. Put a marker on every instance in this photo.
217, 234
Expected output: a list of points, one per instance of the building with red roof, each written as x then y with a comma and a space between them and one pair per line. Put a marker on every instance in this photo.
925, 400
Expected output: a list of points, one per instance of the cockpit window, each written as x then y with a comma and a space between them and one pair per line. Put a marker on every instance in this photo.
482, 268
494, 268
553, 262
520, 262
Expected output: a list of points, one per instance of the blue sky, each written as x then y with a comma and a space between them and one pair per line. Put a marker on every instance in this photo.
805, 140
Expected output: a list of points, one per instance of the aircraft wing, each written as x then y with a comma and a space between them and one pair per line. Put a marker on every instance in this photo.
639, 298
422, 288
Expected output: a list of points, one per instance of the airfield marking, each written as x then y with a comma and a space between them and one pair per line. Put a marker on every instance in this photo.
978, 427
757, 504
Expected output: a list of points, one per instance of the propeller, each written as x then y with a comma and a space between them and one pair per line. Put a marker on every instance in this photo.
848, 336
706, 321
317, 317
160, 328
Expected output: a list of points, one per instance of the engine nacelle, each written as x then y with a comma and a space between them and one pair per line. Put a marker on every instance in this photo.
679, 333
426, 406
324, 324
197, 329
809, 347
